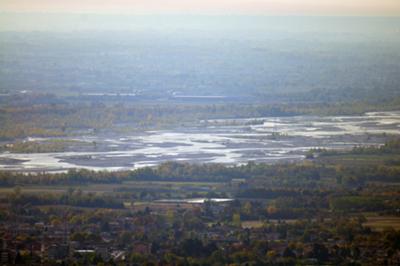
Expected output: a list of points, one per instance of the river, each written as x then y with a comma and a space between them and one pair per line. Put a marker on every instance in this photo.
227, 141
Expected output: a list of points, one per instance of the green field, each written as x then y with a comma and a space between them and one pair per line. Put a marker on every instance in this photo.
381, 223
127, 186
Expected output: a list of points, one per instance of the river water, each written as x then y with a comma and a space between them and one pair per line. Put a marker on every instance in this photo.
227, 141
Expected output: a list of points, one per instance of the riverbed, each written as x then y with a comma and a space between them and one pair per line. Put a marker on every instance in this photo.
226, 141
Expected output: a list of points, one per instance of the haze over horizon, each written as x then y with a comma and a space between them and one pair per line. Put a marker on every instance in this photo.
209, 7
200, 47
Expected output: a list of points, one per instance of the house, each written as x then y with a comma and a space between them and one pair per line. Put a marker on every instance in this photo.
238, 183
58, 252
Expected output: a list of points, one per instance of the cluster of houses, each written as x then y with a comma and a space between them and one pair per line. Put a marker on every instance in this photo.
146, 234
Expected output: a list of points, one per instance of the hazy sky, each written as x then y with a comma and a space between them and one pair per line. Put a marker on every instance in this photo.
246, 7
